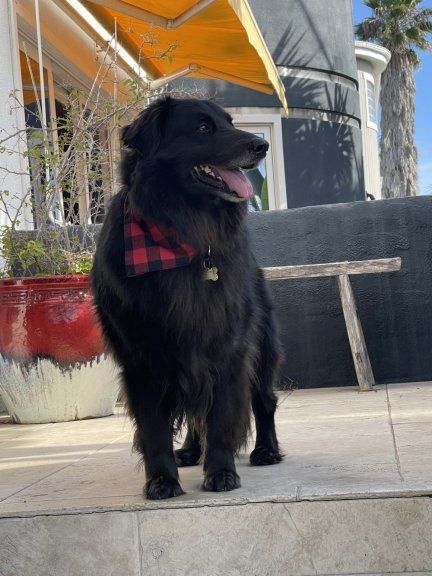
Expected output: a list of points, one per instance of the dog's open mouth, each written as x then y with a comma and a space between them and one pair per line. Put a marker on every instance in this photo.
224, 180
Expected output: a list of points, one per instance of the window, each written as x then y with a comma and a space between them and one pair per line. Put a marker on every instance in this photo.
82, 193
260, 176
88, 186
268, 178
370, 102
40, 171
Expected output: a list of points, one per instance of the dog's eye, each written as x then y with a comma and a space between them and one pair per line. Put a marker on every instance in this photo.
204, 127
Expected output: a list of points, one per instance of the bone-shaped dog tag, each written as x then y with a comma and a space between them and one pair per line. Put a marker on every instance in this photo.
211, 274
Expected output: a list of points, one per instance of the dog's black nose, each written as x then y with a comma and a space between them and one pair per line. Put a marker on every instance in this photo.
259, 146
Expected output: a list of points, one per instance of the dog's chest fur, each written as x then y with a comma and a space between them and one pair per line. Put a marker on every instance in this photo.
188, 308
177, 307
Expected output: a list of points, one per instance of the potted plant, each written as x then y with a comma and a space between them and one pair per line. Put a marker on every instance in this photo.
54, 365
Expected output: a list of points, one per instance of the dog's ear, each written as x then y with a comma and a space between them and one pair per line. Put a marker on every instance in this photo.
146, 132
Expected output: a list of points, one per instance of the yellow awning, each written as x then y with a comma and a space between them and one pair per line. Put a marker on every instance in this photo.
198, 38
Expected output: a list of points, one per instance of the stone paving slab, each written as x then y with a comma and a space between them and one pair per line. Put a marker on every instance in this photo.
354, 537
70, 545
351, 498
411, 418
339, 444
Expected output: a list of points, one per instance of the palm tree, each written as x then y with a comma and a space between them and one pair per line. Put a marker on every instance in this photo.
403, 27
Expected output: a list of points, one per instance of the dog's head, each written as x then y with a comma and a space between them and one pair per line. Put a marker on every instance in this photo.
199, 135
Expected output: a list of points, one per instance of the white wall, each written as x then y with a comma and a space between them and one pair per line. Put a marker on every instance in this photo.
13, 177
372, 60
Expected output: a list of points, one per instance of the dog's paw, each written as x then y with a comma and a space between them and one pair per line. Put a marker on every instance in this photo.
185, 457
262, 456
221, 481
162, 487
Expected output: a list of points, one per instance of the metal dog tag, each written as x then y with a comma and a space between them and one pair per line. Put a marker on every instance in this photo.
210, 274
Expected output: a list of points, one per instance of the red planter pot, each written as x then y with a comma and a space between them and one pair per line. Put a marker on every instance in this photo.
51, 317
53, 363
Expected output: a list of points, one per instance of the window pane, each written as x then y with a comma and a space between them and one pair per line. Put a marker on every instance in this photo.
31, 89
370, 95
40, 173
69, 187
258, 179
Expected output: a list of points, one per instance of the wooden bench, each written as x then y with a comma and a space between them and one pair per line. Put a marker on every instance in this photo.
342, 271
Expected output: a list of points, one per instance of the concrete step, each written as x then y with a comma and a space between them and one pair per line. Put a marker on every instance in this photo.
351, 497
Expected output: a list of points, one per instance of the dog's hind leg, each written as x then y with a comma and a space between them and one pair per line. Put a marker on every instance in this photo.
190, 453
266, 449
264, 400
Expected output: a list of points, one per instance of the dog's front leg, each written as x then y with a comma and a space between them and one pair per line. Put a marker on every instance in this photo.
154, 440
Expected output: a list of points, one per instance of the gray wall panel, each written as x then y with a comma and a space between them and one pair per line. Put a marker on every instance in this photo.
300, 92
395, 309
323, 162
312, 33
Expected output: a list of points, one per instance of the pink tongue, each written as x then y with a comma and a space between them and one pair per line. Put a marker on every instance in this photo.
236, 181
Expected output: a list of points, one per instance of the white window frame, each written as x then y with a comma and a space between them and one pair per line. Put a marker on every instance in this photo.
369, 78
271, 124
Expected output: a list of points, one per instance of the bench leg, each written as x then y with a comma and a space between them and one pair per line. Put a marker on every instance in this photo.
359, 351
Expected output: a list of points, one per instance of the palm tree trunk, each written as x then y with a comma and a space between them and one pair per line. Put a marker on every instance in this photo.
398, 152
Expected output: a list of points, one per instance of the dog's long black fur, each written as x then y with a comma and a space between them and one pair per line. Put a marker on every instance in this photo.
190, 350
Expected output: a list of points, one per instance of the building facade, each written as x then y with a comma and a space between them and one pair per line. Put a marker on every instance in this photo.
372, 60
71, 56
315, 155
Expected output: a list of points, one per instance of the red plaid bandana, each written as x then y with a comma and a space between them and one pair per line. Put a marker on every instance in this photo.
151, 246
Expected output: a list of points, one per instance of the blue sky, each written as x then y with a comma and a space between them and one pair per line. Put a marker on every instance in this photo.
423, 79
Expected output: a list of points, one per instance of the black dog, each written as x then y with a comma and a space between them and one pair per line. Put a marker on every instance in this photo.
181, 299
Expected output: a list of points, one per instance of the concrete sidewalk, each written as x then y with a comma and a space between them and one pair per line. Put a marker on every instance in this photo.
352, 496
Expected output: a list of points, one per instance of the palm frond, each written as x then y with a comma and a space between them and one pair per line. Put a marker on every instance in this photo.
414, 58
399, 25
370, 29
372, 4
423, 20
